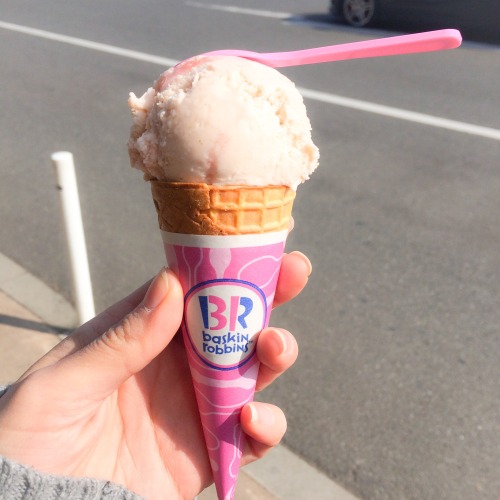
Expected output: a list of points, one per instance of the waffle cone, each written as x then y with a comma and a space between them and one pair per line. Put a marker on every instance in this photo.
197, 208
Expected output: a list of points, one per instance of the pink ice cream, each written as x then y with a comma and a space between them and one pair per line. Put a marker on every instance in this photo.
222, 120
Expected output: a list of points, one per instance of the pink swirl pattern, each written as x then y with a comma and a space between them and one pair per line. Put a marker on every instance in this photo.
221, 393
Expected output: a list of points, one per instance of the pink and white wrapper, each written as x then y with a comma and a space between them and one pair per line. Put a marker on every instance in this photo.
229, 284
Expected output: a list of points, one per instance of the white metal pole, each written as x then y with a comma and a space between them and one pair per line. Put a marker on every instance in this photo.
66, 183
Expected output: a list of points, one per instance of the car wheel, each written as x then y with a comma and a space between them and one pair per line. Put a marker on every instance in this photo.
359, 12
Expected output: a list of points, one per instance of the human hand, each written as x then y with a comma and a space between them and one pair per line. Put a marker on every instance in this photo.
115, 400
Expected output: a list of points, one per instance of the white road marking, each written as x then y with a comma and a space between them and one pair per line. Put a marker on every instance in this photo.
287, 17
87, 44
240, 10
402, 114
337, 100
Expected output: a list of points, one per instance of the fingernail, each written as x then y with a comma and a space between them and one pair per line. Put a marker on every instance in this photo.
156, 291
280, 341
262, 415
305, 260
253, 413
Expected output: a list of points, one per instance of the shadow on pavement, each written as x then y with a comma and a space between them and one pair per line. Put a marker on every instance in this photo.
26, 324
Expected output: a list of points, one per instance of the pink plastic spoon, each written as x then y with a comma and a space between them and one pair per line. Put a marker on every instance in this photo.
397, 45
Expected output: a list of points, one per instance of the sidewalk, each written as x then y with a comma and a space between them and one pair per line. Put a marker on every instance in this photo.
25, 337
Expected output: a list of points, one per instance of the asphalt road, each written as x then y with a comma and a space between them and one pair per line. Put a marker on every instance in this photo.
396, 391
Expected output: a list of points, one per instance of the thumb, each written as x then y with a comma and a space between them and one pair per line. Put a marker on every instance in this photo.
127, 347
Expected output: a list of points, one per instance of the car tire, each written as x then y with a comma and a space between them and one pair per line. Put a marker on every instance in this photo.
335, 9
360, 13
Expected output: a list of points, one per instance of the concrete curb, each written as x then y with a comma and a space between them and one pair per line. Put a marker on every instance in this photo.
287, 476
35, 295
279, 475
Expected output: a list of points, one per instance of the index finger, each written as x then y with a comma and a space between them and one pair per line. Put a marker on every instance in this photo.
294, 274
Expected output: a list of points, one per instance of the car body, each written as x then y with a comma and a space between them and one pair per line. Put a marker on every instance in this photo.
470, 16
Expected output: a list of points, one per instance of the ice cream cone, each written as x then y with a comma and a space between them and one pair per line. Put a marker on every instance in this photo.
235, 136
226, 244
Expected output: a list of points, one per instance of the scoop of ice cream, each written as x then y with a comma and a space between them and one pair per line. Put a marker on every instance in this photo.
224, 121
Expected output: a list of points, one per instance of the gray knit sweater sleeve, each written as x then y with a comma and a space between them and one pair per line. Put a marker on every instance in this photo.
19, 482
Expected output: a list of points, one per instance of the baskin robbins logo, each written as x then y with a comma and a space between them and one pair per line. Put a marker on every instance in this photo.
222, 320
